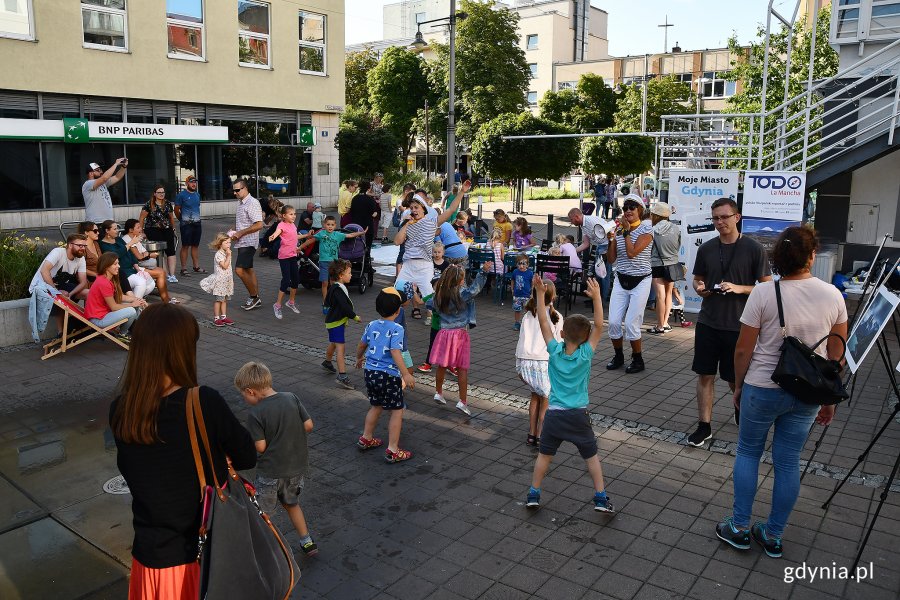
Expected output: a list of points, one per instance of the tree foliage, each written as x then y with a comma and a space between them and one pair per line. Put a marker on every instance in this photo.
397, 88
748, 70
589, 108
616, 155
523, 159
665, 96
358, 65
365, 145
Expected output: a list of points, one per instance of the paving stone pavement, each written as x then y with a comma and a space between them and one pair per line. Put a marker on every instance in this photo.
451, 522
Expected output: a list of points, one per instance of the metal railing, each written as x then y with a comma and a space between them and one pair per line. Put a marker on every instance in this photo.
829, 119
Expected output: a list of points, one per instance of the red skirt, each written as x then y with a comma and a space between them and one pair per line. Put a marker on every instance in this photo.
181, 582
451, 349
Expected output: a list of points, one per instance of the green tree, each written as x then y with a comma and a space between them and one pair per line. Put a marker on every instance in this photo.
365, 145
358, 65
523, 159
665, 96
589, 108
616, 155
492, 74
748, 70
397, 87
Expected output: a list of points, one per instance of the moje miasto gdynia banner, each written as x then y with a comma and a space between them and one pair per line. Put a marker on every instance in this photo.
694, 190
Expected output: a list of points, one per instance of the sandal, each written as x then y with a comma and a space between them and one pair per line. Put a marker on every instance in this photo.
174, 301
184, 273
365, 444
531, 440
199, 270
416, 313
398, 456
657, 330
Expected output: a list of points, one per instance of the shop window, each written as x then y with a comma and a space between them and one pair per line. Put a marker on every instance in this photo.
150, 165
239, 132
253, 34
312, 43
284, 171
276, 133
20, 175
104, 24
16, 19
65, 166
184, 21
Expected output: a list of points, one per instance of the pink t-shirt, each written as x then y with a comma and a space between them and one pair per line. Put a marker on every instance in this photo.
95, 306
288, 248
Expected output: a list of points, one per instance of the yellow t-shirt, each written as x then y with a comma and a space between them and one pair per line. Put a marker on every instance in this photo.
344, 199
507, 229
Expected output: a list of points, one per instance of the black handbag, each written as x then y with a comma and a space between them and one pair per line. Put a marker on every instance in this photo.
803, 373
241, 552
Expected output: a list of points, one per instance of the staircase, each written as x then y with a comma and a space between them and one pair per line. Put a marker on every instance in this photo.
837, 125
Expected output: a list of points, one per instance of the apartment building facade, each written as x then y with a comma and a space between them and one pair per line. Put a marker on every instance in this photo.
237, 88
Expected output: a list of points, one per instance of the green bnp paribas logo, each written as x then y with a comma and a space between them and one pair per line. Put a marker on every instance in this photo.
76, 131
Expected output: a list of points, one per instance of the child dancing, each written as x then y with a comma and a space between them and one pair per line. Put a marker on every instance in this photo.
221, 283
567, 418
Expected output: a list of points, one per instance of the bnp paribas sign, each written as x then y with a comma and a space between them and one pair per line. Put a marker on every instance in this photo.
82, 131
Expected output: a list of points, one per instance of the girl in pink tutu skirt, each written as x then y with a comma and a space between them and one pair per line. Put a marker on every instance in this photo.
454, 302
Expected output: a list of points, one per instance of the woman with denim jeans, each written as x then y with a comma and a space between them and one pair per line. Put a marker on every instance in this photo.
105, 303
812, 310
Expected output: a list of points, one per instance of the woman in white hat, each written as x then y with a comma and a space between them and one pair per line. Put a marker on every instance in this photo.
664, 265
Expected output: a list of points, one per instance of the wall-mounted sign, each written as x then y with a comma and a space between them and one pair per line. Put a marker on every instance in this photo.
693, 190
773, 201
82, 131
306, 135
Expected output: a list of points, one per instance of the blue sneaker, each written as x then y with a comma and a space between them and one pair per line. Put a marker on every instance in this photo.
534, 498
603, 503
728, 533
771, 545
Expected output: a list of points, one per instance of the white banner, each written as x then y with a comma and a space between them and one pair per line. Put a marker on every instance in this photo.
150, 132
774, 195
696, 228
694, 190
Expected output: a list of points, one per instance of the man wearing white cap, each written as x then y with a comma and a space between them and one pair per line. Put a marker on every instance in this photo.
418, 235
97, 201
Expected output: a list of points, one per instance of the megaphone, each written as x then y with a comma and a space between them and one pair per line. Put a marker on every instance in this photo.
604, 228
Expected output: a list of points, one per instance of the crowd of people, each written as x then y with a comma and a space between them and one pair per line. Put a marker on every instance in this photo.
737, 337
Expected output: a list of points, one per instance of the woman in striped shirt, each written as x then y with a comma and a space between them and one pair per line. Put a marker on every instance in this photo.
631, 255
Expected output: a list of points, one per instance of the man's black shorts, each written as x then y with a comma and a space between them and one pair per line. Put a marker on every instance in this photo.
245, 257
714, 351
572, 425
190, 233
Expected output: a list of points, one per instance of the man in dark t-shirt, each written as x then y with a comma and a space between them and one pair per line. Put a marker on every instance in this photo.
725, 271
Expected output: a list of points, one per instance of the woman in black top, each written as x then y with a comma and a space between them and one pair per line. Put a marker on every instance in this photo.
365, 211
154, 452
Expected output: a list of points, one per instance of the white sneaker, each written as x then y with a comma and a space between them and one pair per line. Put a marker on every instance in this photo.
172, 279
277, 310
464, 408
439, 399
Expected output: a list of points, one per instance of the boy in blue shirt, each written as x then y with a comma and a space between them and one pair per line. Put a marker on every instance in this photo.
567, 418
329, 241
380, 349
521, 288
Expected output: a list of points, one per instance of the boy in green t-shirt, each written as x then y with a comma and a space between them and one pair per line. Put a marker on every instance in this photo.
329, 241
567, 419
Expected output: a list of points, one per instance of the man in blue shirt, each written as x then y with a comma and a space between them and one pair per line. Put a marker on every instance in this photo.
187, 209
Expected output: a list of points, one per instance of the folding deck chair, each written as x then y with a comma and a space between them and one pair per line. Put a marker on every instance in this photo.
85, 330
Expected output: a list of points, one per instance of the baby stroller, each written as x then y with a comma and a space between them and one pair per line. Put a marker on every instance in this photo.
308, 261
355, 251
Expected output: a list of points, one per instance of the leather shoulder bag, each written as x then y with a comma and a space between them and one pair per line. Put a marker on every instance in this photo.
241, 552
803, 373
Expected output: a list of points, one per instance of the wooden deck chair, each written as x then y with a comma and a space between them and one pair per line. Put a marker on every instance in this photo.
83, 329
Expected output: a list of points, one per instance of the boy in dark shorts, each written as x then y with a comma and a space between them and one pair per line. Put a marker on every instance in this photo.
279, 424
386, 374
567, 419
339, 310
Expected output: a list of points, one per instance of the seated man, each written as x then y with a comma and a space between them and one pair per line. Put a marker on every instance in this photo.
65, 270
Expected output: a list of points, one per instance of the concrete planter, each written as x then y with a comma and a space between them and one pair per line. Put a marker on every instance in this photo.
14, 327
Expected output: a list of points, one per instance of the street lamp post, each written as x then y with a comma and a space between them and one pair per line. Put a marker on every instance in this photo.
418, 44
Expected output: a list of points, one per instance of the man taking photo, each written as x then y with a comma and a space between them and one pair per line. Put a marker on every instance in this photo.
95, 191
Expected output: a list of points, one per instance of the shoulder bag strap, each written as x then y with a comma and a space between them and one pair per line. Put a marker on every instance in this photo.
192, 395
780, 309
201, 425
